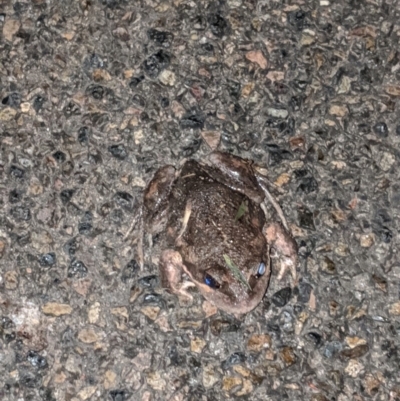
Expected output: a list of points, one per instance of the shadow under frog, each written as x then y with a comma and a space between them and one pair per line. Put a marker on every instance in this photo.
213, 228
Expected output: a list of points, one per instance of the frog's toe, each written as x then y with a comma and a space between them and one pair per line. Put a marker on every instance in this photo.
286, 248
287, 265
182, 292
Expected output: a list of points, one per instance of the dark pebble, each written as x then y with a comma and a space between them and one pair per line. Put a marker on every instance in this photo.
9, 337
315, 338
6, 323
331, 349
16, 172
276, 154
300, 173
164, 102
330, 266
135, 81
160, 37
300, 84
382, 216
144, 117
46, 394
273, 327
119, 395
59, 156
71, 247
139, 100
72, 109
66, 195
194, 365
15, 196
208, 47
381, 129
111, 3
297, 19
12, 100
191, 149
94, 61
398, 130
296, 102
85, 228
130, 270
234, 88
95, 91
105, 209
306, 219
282, 297
218, 25
176, 358
95, 158
150, 281
385, 234
20, 7
77, 269
308, 185
83, 135
155, 63
36, 360
153, 299
38, 103
48, 259
234, 359
303, 292
124, 200
297, 309
118, 151
21, 213
304, 249
192, 120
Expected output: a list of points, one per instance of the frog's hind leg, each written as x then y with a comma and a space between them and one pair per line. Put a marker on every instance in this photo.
286, 247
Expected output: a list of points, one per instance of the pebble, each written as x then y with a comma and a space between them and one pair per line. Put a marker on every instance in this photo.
256, 56
56, 309
167, 78
197, 345
88, 336
367, 240
258, 342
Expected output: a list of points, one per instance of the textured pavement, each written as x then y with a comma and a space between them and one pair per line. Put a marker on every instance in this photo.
96, 95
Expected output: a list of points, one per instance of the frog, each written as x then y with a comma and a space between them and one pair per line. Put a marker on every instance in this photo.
214, 233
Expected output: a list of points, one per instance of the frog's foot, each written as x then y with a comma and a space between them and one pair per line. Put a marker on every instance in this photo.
171, 268
286, 247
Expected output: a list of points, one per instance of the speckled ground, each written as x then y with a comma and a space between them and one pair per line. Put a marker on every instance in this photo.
96, 95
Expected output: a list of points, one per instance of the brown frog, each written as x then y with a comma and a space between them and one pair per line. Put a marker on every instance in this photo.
213, 228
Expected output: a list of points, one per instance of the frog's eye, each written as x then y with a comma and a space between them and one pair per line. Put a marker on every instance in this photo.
261, 269
208, 280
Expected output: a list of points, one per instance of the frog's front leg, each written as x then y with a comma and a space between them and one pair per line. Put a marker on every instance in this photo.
171, 269
286, 247
155, 199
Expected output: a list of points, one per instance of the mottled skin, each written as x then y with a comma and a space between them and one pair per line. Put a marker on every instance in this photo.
196, 212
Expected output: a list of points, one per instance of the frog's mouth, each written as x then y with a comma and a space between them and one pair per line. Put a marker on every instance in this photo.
226, 292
